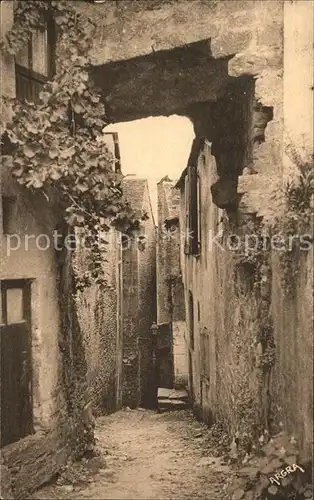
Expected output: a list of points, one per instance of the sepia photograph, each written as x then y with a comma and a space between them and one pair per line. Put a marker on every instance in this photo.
156, 249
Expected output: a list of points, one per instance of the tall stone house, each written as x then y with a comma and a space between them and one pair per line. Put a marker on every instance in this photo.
139, 299
173, 365
116, 321
249, 341
44, 402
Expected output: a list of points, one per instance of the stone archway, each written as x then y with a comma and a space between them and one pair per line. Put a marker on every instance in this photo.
189, 81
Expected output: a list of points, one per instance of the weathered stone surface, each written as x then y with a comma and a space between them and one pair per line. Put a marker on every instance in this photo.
34, 460
179, 394
170, 295
129, 29
163, 393
6, 492
173, 79
261, 195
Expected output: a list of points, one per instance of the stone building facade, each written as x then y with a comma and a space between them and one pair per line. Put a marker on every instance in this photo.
170, 291
249, 342
44, 402
100, 311
139, 298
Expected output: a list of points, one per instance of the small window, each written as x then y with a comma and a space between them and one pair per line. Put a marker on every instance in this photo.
14, 300
35, 63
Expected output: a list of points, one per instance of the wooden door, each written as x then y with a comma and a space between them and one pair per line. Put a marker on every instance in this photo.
15, 348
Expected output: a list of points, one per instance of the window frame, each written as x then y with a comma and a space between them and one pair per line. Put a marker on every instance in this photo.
20, 284
28, 74
192, 211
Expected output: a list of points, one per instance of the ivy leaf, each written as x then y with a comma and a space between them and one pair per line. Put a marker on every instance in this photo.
81, 88
34, 180
55, 174
12, 137
18, 172
7, 161
44, 96
28, 151
67, 153
71, 219
82, 187
31, 129
75, 219
37, 183
78, 108
80, 219
53, 153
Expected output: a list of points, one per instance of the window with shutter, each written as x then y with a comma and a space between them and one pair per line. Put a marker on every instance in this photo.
187, 214
193, 201
199, 214
35, 63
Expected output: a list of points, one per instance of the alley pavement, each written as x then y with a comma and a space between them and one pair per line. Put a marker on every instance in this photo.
142, 454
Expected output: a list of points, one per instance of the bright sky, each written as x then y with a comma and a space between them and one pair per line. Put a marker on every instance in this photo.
154, 147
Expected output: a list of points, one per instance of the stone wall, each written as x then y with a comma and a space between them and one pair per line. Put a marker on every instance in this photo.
98, 311
60, 413
170, 292
292, 380
58, 370
252, 354
7, 88
131, 369
139, 301
145, 46
147, 299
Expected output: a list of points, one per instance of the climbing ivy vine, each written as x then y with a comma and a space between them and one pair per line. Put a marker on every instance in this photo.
296, 224
56, 144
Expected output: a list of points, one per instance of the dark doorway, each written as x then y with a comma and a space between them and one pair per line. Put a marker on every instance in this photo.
164, 356
16, 374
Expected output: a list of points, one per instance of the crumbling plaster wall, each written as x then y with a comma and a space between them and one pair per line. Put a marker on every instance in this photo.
259, 368
36, 458
298, 82
24, 257
26, 464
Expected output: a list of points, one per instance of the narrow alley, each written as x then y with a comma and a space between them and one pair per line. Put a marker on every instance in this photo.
156, 249
148, 455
